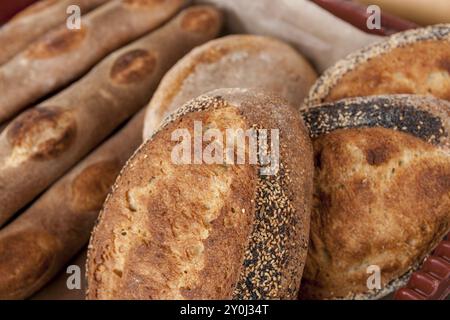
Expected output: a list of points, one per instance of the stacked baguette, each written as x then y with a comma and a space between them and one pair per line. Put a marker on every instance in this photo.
42, 143
42, 239
63, 55
36, 20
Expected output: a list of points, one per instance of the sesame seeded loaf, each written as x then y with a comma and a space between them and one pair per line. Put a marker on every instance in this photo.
236, 61
382, 192
207, 231
63, 55
36, 20
411, 62
42, 143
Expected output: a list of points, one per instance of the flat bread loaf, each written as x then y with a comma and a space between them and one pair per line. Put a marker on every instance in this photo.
236, 61
208, 230
382, 193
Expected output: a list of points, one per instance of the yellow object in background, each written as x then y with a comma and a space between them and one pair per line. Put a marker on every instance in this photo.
424, 12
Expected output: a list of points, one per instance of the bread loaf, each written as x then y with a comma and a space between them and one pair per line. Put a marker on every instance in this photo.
208, 231
411, 62
36, 20
42, 239
63, 55
382, 193
237, 61
42, 143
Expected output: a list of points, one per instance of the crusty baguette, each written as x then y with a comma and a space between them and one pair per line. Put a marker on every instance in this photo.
36, 20
42, 143
63, 55
237, 61
411, 62
207, 231
382, 192
35, 246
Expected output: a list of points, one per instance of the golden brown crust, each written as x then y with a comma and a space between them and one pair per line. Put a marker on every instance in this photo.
236, 61
382, 195
92, 185
133, 66
200, 20
56, 43
95, 105
172, 231
42, 133
411, 62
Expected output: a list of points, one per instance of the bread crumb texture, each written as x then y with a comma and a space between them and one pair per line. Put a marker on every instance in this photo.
26, 257
133, 66
382, 197
41, 133
91, 186
56, 43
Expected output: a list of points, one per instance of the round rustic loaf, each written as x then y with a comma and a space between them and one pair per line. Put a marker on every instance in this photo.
411, 62
208, 231
381, 192
236, 61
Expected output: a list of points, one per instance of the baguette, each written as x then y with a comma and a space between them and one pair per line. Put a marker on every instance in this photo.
41, 240
412, 62
237, 61
208, 231
42, 143
382, 193
36, 20
63, 55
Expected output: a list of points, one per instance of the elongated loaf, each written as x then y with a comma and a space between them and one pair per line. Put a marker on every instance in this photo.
209, 230
42, 143
63, 55
36, 20
237, 61
382, 193
35, 246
